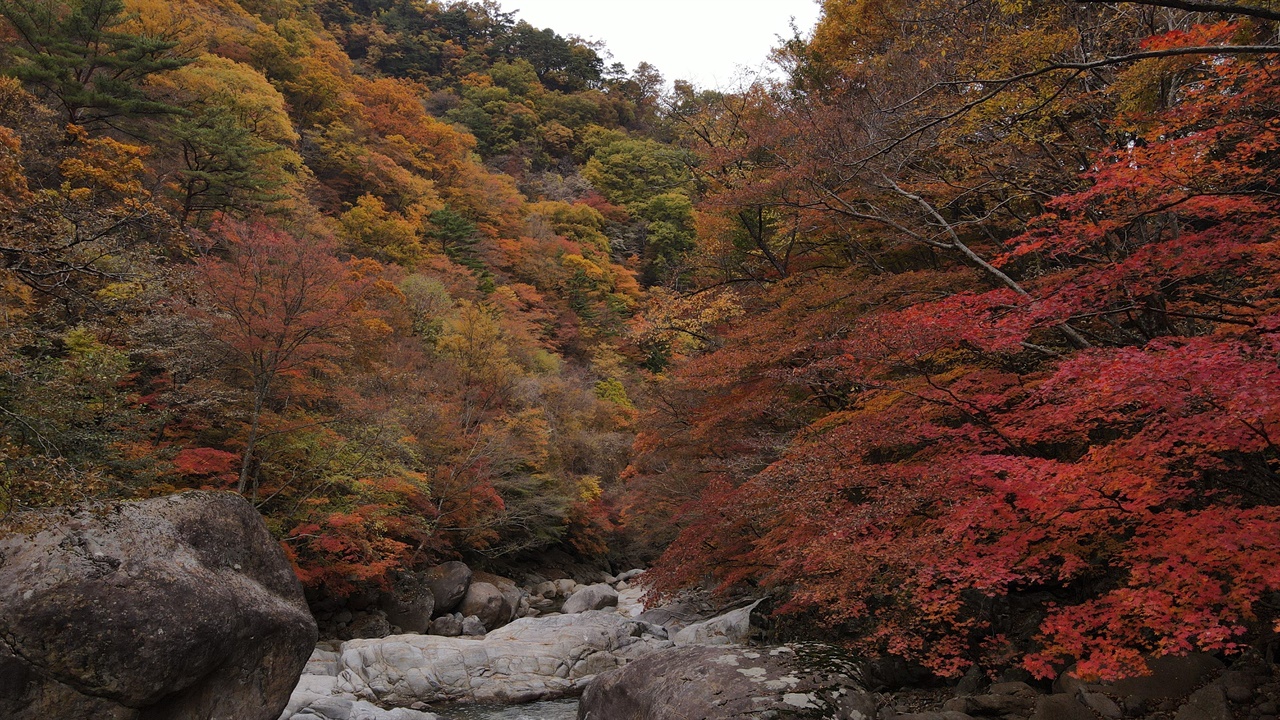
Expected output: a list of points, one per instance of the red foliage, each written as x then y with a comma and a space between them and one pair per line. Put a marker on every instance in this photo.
967, 463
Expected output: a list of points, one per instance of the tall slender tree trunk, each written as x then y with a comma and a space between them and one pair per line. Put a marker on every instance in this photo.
246, 462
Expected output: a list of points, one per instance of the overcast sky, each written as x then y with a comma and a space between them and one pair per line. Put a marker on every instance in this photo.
699, 40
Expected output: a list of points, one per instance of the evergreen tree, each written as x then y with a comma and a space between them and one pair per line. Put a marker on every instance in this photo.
222, 165
73, 54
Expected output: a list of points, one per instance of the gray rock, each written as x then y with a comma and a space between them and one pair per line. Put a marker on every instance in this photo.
409, 604
730, 628
448, 583
972, 681
511, 592
944, 715
591, 597
1134, 705
487, 603
154, 609
369, 625
1101, 704
722, 682
529, 659
1061, 707
1012, 688
1207, 703
1238, 686
990, 705
471, 625
447, 625
322, 662
309, 689
565, 587
628, 575
673, 616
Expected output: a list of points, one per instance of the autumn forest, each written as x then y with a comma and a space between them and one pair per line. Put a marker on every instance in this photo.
959, 336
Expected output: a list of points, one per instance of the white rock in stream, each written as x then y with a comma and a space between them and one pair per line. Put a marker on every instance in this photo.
529, 659
631, 601
731, 628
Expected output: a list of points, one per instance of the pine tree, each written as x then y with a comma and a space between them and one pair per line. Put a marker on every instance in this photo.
73, 54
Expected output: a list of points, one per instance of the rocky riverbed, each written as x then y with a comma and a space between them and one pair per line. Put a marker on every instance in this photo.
533, 659
183, 607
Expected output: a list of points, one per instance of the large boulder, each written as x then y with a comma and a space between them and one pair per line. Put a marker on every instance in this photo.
448, 583
730, 628
409, 603
590, 597
177, 607
488, 603
511, 592
673, 616
726, 683
530, 659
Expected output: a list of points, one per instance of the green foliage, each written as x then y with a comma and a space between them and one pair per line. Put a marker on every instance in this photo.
223, 165
612, 390
75, 53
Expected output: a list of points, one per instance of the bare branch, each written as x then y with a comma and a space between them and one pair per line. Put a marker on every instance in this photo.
1191, 6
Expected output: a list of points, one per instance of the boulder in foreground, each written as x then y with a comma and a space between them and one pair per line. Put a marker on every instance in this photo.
178, 607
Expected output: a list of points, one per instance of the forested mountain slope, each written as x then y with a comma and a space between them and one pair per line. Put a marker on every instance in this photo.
961, 341
981, 362
368, 265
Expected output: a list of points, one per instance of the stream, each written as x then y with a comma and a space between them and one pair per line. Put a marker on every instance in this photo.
548, 710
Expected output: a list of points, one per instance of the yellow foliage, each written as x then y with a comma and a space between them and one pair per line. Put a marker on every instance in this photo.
120, 291
579, 264
213, 80
370, 227
103, 163
589, 489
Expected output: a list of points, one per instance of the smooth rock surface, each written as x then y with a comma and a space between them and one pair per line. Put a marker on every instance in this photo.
731, 628
471, 625
448, 583
511, 593
529, 659
176, 607
590, 597
487, 602
724, 683
345, 708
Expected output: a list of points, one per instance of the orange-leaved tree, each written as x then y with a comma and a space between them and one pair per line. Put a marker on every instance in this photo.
281, 306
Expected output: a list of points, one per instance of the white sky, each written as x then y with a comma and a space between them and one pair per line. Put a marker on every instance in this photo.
704, 41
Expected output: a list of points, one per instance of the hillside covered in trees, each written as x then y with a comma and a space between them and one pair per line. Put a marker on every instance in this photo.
961, 341
369, 265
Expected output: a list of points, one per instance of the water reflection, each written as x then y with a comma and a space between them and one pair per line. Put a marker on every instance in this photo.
549, 710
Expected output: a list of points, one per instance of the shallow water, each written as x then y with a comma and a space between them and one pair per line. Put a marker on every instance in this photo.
549, 710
